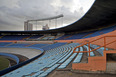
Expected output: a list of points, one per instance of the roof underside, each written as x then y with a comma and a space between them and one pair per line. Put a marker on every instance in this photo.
101, 14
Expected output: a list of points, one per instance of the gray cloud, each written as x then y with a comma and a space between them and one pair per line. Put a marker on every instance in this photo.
13, 13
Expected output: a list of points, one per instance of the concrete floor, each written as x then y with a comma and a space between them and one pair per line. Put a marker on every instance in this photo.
73, 74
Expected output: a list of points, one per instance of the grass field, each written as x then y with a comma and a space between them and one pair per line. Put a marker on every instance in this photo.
4, 63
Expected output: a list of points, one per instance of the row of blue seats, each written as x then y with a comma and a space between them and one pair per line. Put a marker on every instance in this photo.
78, 36
14, 37
63, 37
17, 44
50, 57
79, 56
21, 47
85, 34
55, 58
39, 45
43, 46
100, 32
75, 36
91, 53
65, 55
54, 61
67, 36
53, 46
44, 74
19, 37
49, 38
65, 61
4, 43
100, 50
35, 36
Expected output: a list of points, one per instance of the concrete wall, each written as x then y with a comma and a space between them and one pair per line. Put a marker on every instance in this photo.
94, 63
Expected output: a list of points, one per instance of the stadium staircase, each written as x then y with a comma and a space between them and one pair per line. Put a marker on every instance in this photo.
96, 55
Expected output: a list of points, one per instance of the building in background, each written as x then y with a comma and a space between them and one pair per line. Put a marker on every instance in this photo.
45, 27
28, 26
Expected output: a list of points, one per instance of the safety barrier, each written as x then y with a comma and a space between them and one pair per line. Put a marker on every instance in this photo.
11, 56
88, 43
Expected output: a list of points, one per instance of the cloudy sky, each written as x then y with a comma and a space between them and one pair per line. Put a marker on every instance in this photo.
13, 13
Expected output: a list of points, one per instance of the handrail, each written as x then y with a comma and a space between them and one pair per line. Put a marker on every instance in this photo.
104, 38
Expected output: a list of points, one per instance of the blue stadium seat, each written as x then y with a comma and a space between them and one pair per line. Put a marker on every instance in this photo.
91, 53
67, 61
48, 60
99, 50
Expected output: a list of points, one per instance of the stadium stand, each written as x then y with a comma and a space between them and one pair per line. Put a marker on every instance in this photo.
38, 45
49, 37
78, 36
57, 56
14, 37
34, 36
37, 67
86, 34
1, 36
5, 43
43, 46
16, 45
98, 50
91, 53
76, 49
102, 31
63, 37
53, 46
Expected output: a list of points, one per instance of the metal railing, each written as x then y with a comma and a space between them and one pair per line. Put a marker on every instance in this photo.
104, 45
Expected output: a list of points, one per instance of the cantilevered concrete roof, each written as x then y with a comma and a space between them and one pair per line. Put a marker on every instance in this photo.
101, 14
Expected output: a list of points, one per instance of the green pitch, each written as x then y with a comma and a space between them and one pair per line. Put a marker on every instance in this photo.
4, 63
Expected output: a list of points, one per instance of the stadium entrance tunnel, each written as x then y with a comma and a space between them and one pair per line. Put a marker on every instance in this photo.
111, 62
104, 63
111, 58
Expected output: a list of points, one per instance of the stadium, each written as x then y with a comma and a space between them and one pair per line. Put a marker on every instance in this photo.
86, 47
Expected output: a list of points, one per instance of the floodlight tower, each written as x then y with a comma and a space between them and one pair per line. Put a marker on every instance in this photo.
49, 19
